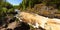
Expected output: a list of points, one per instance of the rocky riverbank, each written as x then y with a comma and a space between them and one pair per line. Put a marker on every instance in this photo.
30, 21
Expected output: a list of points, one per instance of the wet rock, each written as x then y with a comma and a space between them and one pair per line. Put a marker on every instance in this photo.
24, 26
9, 29
12, 20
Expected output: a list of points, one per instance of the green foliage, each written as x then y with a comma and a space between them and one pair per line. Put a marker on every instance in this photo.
5, 7
4, 10
29, 3
10, 10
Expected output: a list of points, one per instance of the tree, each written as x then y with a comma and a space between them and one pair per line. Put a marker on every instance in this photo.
29, 3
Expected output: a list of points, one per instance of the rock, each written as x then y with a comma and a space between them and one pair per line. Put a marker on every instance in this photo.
44, 22
24, 26
12, 25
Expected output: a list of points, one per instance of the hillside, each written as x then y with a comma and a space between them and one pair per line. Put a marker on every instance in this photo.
45, 8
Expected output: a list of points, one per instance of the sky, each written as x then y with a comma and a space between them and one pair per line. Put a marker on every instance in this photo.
14, 2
